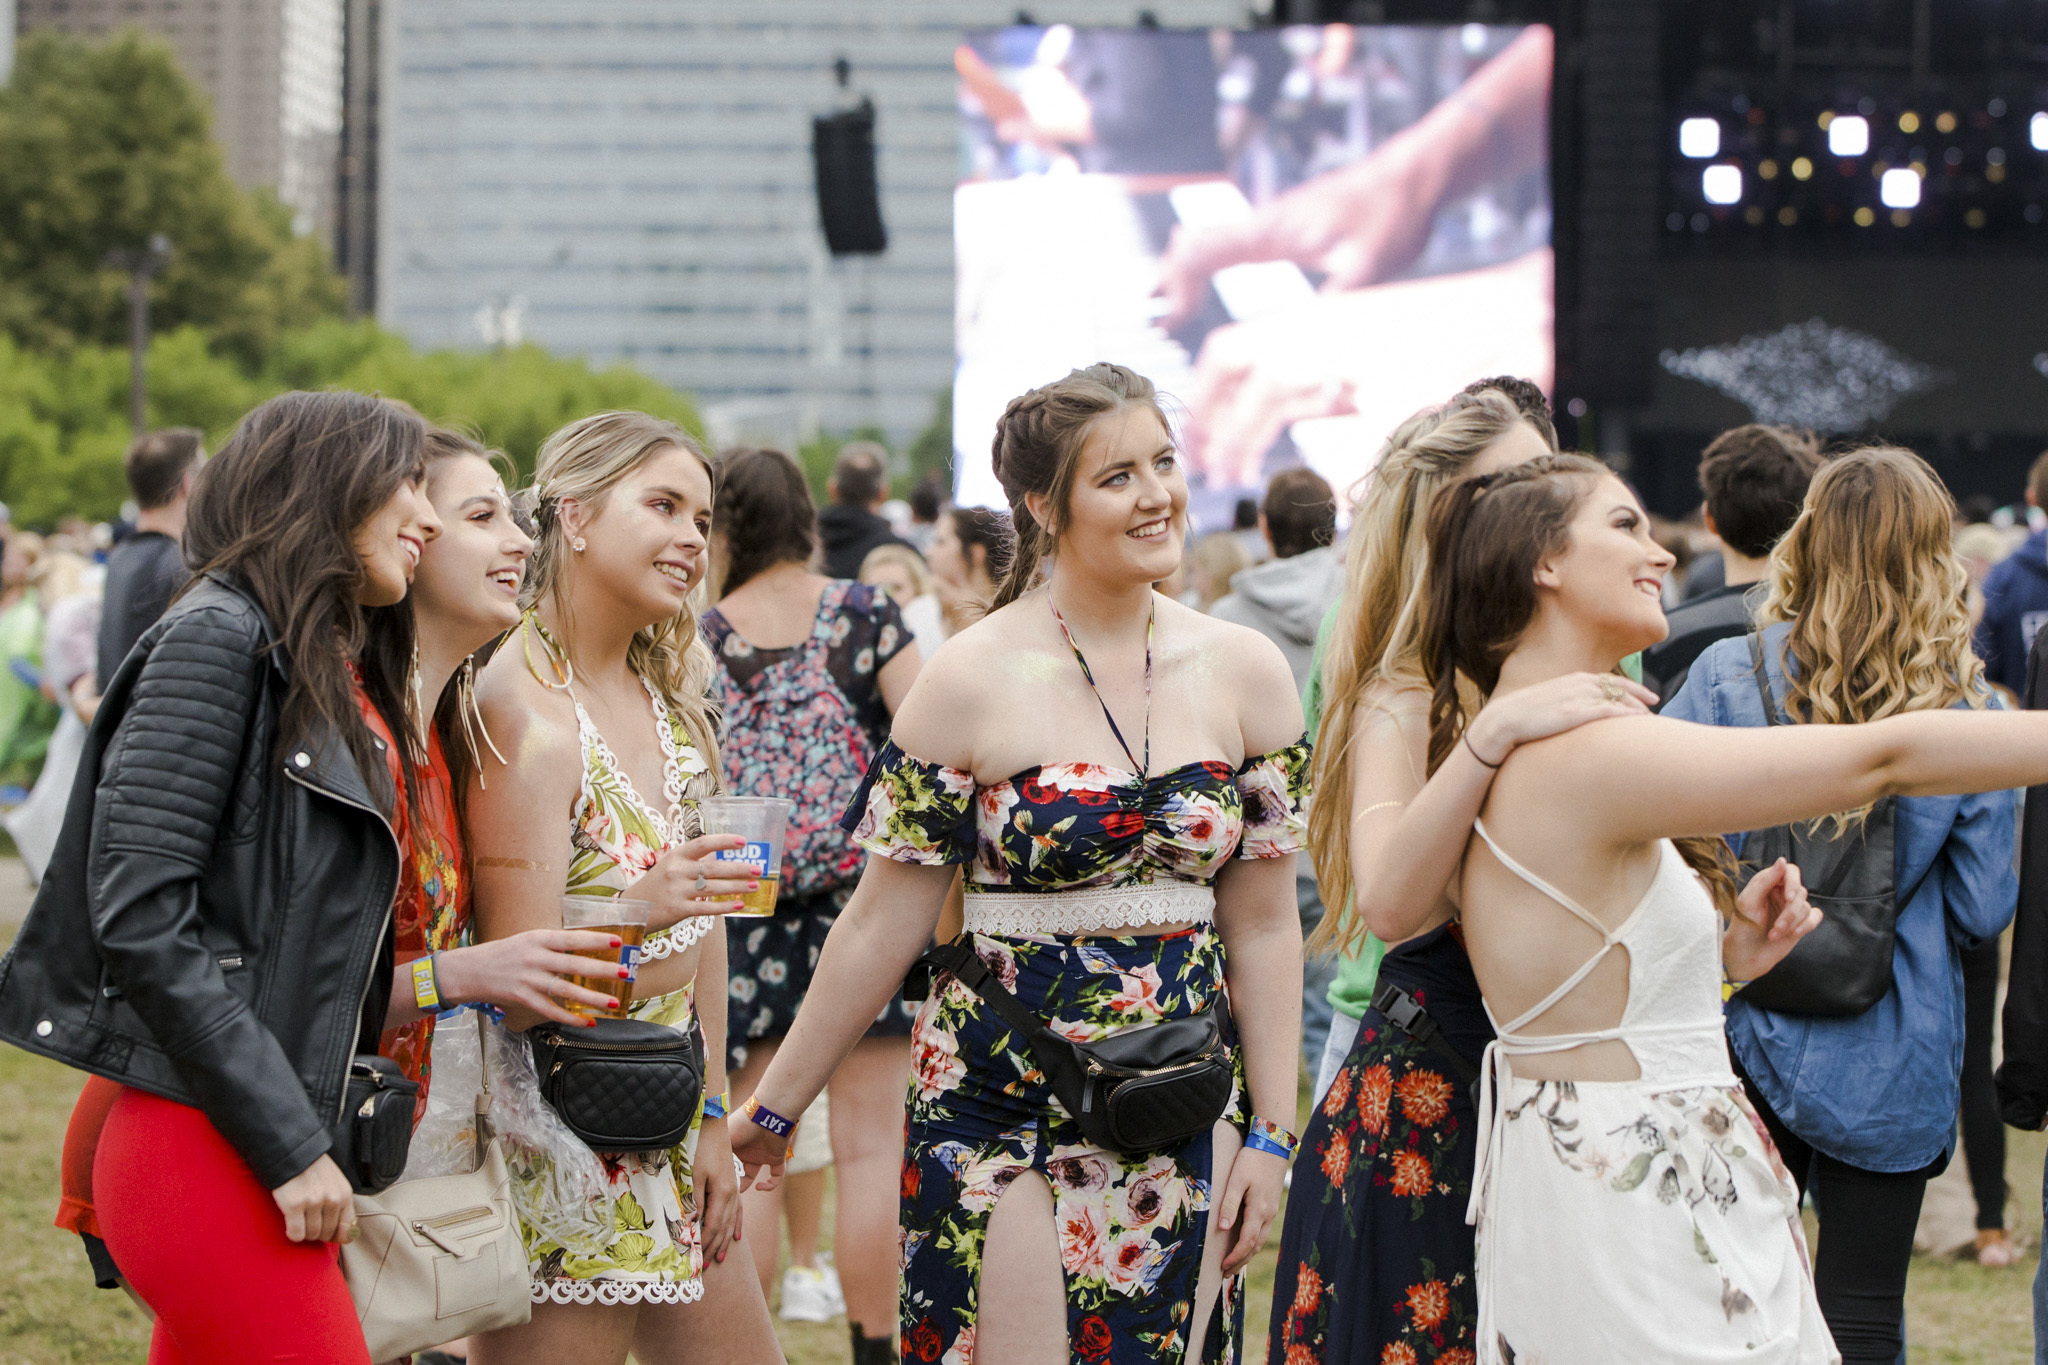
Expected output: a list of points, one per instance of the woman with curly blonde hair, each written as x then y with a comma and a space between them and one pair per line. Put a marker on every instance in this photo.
1866, 618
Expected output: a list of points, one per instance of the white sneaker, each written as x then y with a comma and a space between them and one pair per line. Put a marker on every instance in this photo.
811, 1295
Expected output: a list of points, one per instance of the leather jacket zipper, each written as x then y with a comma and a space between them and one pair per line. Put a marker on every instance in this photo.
383, 926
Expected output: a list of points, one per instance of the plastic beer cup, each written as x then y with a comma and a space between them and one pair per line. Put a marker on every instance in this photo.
761, 821
627, 919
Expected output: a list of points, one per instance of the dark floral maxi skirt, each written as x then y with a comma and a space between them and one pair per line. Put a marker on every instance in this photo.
1131, 1227
1375, 1255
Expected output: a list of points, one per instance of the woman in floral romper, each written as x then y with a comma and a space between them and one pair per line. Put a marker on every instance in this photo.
597, 703
1122, 780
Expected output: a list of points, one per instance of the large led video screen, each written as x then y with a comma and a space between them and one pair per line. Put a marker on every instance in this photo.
1301, 235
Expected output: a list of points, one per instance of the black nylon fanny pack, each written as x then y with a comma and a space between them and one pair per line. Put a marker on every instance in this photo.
627, 1085
1140, 1090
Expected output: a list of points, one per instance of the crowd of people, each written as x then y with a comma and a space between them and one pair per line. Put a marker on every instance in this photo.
342, 728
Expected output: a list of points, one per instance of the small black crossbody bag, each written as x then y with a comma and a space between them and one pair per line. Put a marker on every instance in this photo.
1141, 1090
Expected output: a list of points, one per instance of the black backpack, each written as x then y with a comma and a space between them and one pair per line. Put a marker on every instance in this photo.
1845, 965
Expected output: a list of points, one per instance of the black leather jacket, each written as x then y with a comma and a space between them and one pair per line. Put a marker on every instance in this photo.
215, 923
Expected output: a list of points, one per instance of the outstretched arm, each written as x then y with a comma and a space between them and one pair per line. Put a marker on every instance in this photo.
1718, 780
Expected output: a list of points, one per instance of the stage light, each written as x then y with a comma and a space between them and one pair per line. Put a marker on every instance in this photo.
1788, 215
1995, 174
1849, 135
1944, 122
2037, 132
1754, 215
1899, 189
1974, 218
1722, 184
1995, 157
1802, 169
1700, 138
1909, 122
1901, 217
1767, 169
1996, 108
1864, 217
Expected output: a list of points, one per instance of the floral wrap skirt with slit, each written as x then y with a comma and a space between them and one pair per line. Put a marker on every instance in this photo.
1131, 1226
1376, 1260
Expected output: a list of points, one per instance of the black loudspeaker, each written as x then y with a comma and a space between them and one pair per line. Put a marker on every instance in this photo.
849, 201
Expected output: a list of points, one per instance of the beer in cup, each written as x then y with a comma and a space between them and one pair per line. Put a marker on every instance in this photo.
626, 920
761, 821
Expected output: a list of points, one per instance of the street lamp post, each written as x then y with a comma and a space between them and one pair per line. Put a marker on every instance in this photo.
142, 265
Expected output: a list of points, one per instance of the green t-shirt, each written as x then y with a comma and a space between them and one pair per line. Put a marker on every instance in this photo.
1357, 973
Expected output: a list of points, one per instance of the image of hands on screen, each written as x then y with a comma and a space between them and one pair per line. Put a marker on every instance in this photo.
1302, 234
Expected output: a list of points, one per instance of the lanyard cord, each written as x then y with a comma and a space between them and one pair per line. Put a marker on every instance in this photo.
1143, 768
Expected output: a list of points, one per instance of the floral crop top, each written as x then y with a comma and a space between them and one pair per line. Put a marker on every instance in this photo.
1075, 826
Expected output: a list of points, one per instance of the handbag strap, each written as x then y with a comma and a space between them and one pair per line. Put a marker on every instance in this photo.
485, 1130
1763, 680
959, 958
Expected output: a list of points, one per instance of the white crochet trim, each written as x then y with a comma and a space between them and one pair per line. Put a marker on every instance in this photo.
679, 937
1014, 914
616, 1291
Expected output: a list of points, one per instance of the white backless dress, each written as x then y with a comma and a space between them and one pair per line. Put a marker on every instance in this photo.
1643, 1220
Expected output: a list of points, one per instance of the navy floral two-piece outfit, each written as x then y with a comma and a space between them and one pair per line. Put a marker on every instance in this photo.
1131, 1226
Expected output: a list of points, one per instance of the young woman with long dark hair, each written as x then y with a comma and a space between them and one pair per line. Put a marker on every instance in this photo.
598, 701
1610, 1116
1112, 892
215, 930
810, 669
1865, 618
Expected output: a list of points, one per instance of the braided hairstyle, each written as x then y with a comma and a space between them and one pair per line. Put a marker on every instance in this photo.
1037, 449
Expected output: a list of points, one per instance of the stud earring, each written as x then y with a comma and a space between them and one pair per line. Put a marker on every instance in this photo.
576, 544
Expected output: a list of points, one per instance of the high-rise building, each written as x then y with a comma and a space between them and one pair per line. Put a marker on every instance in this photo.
271, 67
632, 180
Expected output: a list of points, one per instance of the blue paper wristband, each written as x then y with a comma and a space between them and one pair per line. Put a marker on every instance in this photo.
1259, 1142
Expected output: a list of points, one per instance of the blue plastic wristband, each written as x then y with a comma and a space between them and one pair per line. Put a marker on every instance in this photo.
1264, 1135
715, 1105
1259, 1142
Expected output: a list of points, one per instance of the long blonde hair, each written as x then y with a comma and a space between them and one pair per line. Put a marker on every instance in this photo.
1377, 636
1870, 580
586, 460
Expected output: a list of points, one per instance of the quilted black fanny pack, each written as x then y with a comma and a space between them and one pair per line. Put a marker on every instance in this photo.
627, 1085
1140, 1090
371, 1141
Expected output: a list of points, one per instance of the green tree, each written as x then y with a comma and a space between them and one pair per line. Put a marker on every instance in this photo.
932, 451
104, 144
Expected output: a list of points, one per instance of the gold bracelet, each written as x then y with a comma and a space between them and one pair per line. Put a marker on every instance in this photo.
1377, 805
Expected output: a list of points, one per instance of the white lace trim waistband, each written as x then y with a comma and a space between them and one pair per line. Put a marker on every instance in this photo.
680, 937
617, 1291
1019, 913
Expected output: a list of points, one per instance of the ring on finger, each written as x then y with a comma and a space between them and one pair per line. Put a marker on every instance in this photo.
1610, 689
702, 882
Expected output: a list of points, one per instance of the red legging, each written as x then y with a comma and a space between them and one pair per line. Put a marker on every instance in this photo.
201, 1240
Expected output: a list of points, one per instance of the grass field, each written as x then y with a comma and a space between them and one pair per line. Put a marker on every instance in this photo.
1957, 1313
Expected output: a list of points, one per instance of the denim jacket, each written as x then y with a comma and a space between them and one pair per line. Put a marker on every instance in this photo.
1878, 1090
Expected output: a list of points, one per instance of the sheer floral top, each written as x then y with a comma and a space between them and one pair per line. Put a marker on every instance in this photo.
1067, 847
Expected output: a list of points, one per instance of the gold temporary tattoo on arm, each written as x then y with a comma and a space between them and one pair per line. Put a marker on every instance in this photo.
517, 864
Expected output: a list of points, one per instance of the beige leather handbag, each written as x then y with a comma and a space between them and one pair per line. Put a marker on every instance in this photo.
440, 1258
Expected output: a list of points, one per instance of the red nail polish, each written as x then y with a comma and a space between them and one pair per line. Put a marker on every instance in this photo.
618, 942
590, 1023
610, 1004
625, 975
